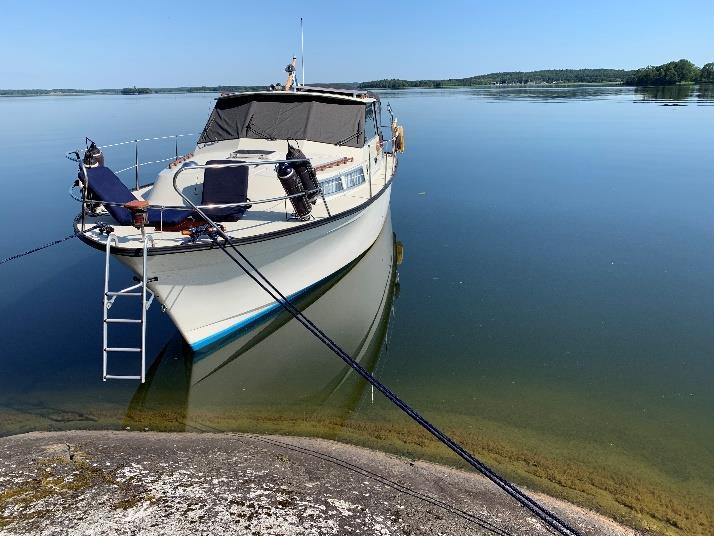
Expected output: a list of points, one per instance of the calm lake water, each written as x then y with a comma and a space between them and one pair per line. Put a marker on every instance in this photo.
554, 309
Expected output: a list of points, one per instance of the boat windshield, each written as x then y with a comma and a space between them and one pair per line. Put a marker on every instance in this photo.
283, 116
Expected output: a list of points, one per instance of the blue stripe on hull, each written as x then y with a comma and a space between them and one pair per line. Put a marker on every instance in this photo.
216, 337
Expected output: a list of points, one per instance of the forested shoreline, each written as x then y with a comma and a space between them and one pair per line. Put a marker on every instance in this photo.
550, 76
675, 72
124, 91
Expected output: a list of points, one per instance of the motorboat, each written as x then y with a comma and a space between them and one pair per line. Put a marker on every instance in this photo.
297, 178
272, 372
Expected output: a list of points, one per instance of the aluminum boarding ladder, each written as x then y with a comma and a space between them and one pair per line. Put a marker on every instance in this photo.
137, 291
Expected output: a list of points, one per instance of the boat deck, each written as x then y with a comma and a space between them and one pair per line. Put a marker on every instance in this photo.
261, 218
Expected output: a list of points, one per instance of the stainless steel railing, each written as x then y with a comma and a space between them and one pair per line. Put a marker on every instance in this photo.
75, 156
136, 166
192, 206
145, 139
190, 165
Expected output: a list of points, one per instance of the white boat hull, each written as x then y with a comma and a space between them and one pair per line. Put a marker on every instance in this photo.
277, 368
209, 297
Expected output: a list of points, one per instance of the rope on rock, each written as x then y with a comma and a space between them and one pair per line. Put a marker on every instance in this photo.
548, 518
551, 520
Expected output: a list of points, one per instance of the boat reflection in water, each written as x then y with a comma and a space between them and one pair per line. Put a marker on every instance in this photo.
276, 376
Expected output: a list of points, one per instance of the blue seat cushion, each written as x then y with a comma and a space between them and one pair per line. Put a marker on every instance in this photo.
222, 186
170, 216
104, 185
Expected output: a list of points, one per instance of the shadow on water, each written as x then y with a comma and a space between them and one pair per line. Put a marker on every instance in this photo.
549, 94
545, 94
665, 93
677, 95
706, 93
702, 94
275, 374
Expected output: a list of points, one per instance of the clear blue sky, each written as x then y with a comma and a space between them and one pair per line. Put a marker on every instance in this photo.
51, 44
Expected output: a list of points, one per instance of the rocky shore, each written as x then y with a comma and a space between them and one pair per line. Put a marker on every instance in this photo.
118, 483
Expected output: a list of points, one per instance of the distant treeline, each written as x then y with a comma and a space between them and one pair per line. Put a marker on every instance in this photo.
126, 91
549, 76
207, 89
136, 91
674, 72
58, 91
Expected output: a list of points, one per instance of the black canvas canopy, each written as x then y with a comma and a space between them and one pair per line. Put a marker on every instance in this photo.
298, 116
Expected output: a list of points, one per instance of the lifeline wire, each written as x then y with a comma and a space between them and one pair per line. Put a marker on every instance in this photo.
45, 246
548, 518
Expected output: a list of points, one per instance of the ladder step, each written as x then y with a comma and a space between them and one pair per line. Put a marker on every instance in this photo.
137, 290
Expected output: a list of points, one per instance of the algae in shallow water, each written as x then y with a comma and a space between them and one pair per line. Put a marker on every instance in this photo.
613, 483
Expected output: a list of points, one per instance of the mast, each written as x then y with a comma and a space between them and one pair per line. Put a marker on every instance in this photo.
302, 53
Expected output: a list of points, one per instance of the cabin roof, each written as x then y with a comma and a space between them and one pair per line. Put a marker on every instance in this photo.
303, 115
360, 94
353, 95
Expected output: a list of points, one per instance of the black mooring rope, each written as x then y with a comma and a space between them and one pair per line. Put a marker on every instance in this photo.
548, 518
401, 488
49, 244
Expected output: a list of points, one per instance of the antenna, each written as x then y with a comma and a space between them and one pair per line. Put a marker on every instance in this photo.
302, 52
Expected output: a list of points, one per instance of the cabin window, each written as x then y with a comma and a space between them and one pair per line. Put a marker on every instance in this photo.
380, 120
342, 182
370, 124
